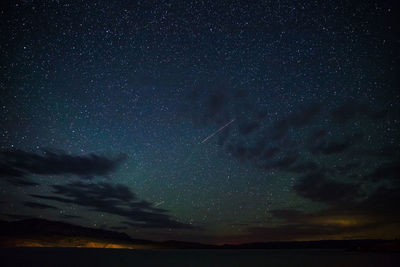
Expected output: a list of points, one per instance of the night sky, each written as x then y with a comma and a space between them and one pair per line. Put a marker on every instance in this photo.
106, 109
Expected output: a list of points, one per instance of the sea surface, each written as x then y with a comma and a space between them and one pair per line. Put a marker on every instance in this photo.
120, 257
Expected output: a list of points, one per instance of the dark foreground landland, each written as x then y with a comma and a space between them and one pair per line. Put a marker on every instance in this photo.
38, 242
193, 257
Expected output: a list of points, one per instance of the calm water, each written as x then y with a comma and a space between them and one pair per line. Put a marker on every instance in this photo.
111, 257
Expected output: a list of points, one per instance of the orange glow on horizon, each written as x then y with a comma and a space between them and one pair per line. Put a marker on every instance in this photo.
75, 244
345, 222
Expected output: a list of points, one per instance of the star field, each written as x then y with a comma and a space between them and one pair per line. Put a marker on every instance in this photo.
104, 106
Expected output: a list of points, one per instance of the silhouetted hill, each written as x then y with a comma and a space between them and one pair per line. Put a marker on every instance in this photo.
45, 233
40, 232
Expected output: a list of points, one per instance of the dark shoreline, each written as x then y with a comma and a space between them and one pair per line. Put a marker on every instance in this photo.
192, 257
390, 246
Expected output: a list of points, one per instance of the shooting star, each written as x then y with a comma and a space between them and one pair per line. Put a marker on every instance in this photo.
158, 203
220, 129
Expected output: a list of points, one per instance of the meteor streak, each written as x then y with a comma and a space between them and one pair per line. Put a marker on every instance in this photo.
158, 203
220, 129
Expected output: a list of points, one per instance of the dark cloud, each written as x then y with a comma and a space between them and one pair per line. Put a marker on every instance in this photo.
282, 163
255, 150
22, 182
294, 232
16, 216
295, 225
390, 152
387, 171
384, 153
116, 200
270, 149
347, 212
270, 152
7, 170
318, 134
268, 158
378, 209
270, 145
248, 127
67, 216
297, 119
334, 147
303, 167
347, 111
36, 205
18, 163
345, 169
238, 150
267, 142
317, 187
351, 109
382, 205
